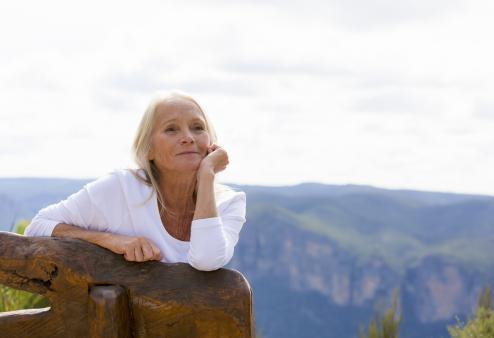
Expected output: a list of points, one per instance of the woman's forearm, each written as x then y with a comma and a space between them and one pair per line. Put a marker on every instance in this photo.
208, 245
205, 203
72, 231
134, 248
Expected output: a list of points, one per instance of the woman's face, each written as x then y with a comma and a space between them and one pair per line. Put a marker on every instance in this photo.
179, 139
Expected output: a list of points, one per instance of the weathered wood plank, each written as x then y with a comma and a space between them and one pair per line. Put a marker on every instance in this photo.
22, 323
109, 312
165, 300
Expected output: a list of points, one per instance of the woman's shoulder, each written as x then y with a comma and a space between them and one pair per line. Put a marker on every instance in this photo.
117, 179
132, 180
129, 175
107, 181
225, 194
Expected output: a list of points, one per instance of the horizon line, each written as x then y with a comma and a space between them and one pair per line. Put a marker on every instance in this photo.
288, 185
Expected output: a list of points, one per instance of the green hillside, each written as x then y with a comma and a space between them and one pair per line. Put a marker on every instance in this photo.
398, 230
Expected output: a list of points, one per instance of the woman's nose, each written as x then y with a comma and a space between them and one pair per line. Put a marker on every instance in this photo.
187, 138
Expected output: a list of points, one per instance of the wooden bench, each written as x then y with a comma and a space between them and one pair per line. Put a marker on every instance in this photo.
96, 293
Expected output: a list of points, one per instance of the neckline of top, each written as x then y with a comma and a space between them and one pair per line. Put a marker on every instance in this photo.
160, 223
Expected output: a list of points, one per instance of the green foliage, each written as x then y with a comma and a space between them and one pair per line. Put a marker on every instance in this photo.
387, 324
396, 248
12, 299
389, 227
482, 324
20, 226
485, 299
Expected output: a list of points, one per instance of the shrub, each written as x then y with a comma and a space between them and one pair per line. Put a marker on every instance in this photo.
387, 324
12, 299
481, 325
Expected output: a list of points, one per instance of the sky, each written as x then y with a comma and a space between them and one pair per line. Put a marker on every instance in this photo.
394, 94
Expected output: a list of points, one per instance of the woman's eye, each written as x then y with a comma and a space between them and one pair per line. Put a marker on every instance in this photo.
199, 127
170, 129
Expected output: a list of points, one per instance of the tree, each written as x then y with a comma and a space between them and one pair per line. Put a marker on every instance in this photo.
12, 299
387, 324
481, 325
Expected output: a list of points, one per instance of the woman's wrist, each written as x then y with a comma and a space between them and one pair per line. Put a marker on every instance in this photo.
205, 173
103, 239
205, 204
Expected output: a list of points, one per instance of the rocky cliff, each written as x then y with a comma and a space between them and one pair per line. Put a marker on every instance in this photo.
322, 258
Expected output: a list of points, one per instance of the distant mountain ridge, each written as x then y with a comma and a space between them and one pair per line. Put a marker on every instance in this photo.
23, 197
435, 247
320, 257
329, 190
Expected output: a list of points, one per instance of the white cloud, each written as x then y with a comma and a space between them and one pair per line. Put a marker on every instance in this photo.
292, 87
392, 102
361, 14
484, 108
364, 15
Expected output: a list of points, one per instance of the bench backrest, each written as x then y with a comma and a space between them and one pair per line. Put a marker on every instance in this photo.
96, 293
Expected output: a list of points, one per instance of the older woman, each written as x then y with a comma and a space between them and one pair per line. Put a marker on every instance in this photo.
170, 209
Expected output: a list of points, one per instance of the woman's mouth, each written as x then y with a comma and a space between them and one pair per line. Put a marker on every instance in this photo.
189, 153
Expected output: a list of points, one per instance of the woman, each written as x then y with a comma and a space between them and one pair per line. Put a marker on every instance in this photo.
170, 209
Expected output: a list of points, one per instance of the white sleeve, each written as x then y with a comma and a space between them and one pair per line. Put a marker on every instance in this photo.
212, 240
82, 209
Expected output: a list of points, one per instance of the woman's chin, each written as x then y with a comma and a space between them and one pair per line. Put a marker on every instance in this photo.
192, 167
183, 168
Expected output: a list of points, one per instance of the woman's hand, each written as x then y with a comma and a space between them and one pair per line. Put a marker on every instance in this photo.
137, 249
134, 249
215, 161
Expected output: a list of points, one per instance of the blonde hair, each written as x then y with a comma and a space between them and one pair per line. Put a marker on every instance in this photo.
143, 141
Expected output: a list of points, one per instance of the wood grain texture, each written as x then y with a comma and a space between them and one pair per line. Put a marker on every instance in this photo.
108, 312
163, 300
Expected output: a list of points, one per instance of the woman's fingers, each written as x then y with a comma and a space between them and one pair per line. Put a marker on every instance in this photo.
217, 159
214, 146
129, 254
138, 254
140, 249
148, 251
156, 251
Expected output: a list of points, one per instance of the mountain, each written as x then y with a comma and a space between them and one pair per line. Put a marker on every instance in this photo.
349, 249
321, 258
24, 197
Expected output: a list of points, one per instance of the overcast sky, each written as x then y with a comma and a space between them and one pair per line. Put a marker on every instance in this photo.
396, 94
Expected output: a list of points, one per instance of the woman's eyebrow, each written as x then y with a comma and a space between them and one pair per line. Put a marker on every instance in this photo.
196, 119
167, 121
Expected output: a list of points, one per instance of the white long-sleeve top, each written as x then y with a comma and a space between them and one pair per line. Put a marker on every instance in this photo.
119, 203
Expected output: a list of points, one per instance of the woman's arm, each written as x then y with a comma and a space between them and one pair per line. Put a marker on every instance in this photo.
83, 209
213, 238
205, 203
71, 231
214, 162
80, 216
133, 248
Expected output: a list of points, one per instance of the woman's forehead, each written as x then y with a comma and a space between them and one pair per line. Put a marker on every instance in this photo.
177, 108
